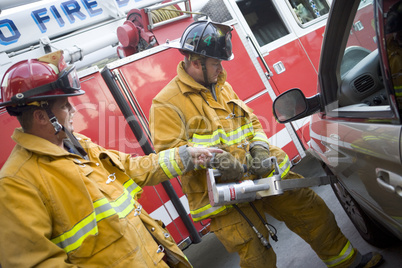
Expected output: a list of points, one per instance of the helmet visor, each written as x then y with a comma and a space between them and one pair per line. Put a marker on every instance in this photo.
67, 84
68, 80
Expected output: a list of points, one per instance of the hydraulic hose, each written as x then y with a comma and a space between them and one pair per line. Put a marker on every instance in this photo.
263, 240
272, 234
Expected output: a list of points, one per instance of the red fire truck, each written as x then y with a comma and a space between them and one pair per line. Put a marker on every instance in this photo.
118, 48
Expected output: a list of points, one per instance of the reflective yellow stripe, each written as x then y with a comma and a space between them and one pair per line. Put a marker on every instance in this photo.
78, 243
132, 188
122, 206
103, 209
220, 136
346, 253
168, 163
284, 167
260, 136
206, 212
79, 230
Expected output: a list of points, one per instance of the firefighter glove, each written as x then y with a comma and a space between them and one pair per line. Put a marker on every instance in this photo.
258, 154
230, 168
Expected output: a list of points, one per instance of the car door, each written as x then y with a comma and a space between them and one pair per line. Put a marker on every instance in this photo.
358, 133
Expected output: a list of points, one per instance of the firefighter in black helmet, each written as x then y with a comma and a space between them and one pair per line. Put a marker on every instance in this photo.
199, 107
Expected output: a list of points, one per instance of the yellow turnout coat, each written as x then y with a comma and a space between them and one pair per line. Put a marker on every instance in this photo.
60, 210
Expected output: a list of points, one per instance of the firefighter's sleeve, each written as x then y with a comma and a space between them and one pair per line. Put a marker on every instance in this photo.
155, 168
26, 228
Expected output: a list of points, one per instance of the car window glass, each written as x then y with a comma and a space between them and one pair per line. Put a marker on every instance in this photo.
362, 92
362, 38
267, 24
308, 10
263, 19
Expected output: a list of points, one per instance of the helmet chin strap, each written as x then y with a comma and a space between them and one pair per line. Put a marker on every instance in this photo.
204, 71
75, 146
211, 86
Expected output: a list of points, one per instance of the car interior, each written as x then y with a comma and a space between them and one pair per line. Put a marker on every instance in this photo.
362, 84
362, 87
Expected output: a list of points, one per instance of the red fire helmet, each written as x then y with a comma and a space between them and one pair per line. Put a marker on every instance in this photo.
34, 80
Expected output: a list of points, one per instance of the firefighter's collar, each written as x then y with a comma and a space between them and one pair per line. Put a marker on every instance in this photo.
191, 85
37, 144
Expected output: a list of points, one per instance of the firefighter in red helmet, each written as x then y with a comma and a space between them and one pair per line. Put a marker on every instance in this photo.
200, 108
67, 202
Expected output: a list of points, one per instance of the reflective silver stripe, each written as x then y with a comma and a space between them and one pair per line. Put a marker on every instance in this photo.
185, 158
220, 136
260, 143
72, 239
168, 163
346, 253
132, 187
123, 205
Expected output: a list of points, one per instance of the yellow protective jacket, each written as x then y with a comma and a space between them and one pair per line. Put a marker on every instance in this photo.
60, 210
185, 112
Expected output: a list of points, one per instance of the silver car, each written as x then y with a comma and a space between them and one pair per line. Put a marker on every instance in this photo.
356, 115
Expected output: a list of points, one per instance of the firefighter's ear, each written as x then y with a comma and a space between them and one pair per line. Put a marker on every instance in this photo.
196, 64
40, 117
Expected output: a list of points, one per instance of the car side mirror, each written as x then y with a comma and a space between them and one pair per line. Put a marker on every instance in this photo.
292, 105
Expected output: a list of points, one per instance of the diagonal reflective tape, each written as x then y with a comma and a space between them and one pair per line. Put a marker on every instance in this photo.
72, 239
132, 188
103, 208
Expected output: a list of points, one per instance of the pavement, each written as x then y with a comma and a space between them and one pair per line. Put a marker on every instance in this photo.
291, 250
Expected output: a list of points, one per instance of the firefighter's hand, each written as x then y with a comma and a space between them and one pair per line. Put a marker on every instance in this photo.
202, 156
258, 154
230, 168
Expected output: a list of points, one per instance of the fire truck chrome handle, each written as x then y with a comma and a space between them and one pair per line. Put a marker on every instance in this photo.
269, 72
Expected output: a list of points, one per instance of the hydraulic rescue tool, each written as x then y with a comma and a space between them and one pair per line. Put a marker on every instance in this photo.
250, 190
